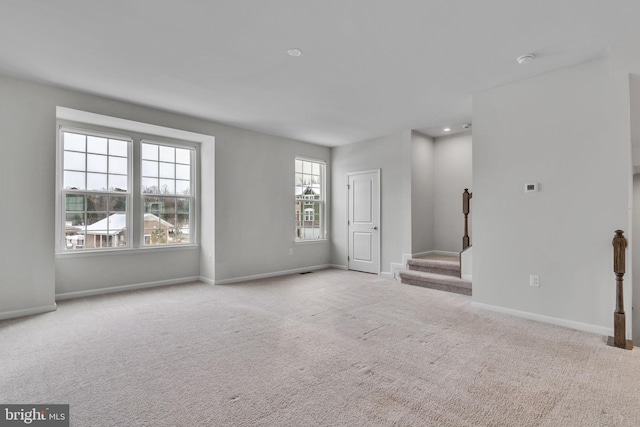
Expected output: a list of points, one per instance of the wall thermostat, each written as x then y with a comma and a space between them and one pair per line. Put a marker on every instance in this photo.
529, 188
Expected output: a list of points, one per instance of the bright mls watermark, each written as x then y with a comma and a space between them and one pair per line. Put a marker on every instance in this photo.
34, 415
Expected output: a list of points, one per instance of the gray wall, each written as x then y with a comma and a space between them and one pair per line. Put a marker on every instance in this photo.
453, 173
635, 262
563, 131
253, 203
392, 155
422, 193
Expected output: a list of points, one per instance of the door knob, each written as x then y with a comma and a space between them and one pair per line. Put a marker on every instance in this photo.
375, 227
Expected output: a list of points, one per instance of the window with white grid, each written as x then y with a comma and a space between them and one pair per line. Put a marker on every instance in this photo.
124, 191
167, 193
95, 190
309, 199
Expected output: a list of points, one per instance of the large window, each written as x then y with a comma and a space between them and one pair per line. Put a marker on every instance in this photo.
95, 185
167, 193
309, 199
101, 177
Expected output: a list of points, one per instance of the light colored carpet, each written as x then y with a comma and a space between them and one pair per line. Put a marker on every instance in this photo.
331, 348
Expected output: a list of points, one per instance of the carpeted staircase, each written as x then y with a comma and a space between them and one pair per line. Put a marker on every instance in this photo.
436, 272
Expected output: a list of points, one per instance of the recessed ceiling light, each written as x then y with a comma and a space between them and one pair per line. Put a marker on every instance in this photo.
294, 52
525, 59
446, 129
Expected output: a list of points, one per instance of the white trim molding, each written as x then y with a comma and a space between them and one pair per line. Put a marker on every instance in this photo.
101, 291
28, 311
586, 327
274, 274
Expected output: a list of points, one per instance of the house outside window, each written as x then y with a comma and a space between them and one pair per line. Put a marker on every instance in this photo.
309, 199
98, 185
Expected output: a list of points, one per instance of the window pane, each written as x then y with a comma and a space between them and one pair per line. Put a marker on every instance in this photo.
306, 167
74, 231
168, 220
73, 141
74, 180
117, 183
183, 187
96, 203
182, 205
149, 185
96, 145
149, 152
74, 161
167, 154
151, 205
97, 222
167, 204
118, 165
96, 163
167, 170
183, 156
167, 186
181, 232
96, 182
118, 148
74, 203
183, 172
149, 168
75, 221
315, 168
117, 204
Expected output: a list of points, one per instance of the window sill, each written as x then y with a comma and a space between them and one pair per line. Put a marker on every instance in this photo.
310, 242
125, 251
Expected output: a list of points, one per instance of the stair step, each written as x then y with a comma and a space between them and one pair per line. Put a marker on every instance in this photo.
437, 266
436, 281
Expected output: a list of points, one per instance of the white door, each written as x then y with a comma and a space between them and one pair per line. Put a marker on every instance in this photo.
363, 221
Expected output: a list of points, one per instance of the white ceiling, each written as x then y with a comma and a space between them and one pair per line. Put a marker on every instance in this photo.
369, 67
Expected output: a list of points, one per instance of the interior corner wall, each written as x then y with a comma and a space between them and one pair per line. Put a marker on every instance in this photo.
251, 235
559, 130
635, 262
453, 173
390, 154
422, 193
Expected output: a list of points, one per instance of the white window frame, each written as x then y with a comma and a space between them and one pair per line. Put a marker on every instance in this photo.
134, 196
191, 196
61, 211
308, 200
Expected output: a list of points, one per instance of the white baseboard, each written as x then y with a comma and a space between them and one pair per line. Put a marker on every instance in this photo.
101, 291
387, 275
28, 311
338, 267
207, 280
274, 274
586, 327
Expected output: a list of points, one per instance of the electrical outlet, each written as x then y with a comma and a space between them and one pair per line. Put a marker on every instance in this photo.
534, 280
290, 251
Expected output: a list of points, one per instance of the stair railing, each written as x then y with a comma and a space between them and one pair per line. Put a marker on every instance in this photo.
619, 338
466, 196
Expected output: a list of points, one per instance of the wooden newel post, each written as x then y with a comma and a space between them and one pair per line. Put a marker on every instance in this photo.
619, 324
466, 196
